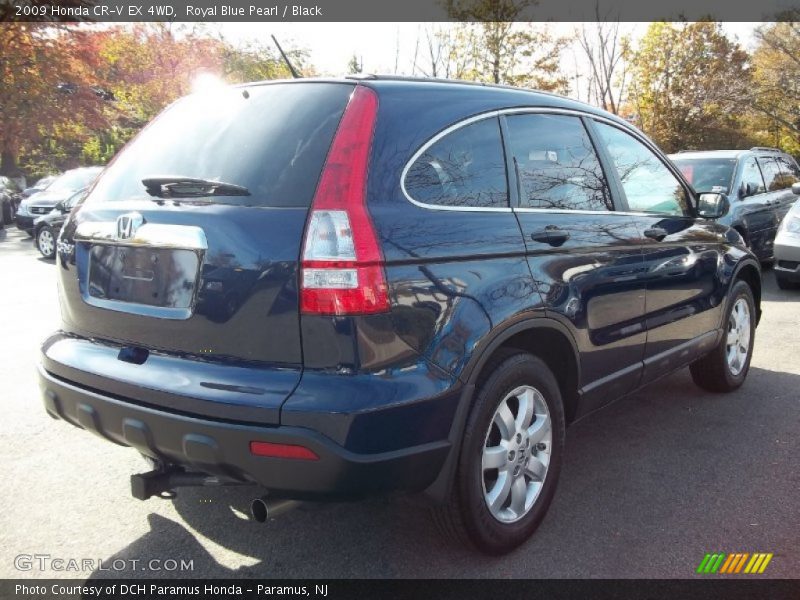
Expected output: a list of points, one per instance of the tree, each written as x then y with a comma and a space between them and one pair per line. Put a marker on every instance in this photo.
254, 61
355, 65
689, 84
509, 52
775, 96
43, 87
446, 53
605, 50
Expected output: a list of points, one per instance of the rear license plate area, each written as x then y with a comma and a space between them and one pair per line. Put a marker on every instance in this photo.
164, 278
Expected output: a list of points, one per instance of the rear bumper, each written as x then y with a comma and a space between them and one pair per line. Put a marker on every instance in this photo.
223, 448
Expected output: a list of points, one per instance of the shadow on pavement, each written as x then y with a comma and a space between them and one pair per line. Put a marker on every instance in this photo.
772, 293
668, 473
14, 242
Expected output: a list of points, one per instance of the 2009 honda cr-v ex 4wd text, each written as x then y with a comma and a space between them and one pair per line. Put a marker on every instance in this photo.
337, 288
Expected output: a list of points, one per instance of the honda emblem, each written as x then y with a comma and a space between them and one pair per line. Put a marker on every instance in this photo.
127, 225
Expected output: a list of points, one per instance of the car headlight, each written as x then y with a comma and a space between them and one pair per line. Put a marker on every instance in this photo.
22, 209
791, 225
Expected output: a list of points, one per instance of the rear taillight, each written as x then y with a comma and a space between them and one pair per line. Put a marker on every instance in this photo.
342, 266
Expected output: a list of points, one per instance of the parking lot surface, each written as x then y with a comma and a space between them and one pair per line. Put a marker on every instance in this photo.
649, 485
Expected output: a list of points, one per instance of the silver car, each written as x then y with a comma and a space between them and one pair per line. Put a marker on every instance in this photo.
787, 247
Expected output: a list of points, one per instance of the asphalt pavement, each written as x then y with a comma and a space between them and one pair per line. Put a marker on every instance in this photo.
650, 484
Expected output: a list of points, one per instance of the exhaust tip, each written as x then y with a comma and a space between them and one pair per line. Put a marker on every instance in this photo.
259, 510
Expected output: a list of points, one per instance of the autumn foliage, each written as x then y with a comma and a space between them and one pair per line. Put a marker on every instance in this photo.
73, 94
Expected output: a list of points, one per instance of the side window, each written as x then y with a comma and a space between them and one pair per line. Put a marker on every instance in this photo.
751, 175
790, 174
465, 168
772, 175
648, 184
556, 163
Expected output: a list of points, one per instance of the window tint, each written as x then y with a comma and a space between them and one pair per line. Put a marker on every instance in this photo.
751, 175
707, 174
556, 163
648, 184
465, 168
790, 174
75, 179
271, 139
772, 174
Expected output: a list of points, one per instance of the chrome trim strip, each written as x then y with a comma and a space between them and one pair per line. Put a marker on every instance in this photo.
155, 235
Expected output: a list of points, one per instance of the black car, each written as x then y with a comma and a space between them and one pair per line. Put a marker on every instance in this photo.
434, 280
9, 198
60, 190
758, 183
47, 227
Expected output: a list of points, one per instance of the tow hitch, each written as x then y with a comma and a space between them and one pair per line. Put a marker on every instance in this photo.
162, 482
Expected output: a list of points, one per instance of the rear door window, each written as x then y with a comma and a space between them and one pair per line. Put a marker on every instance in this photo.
772, 173
464, 169
271, 139
556, 163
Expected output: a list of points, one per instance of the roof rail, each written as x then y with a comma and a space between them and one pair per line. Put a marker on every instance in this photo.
765, 149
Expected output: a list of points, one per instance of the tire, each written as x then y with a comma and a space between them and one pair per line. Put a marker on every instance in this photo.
717, 372
516, 380
46, 241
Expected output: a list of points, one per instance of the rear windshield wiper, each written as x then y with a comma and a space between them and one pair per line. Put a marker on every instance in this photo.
176, 186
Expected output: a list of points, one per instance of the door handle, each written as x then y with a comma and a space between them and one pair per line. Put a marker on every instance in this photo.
551, 234
656, 233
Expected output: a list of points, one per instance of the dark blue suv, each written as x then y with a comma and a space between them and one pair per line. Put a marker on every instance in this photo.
336, 288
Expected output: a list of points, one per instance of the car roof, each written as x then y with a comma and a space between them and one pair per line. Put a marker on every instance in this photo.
501, 96
757, 151
694, 154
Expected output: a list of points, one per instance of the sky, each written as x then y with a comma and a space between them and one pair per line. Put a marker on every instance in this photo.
333, 44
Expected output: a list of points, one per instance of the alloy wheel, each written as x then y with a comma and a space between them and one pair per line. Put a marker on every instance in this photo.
46, 242
738, 339
516, 454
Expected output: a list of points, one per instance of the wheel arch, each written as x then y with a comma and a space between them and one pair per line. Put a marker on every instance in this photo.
530, 335
749, 271
741, 228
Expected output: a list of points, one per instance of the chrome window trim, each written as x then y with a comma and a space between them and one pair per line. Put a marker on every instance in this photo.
495, 114
443, 133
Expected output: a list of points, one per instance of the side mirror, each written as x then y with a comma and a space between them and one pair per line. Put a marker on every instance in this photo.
712, 206
746, 190
796, 188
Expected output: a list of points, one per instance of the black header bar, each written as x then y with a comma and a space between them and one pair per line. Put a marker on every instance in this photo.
271, 11
485, 589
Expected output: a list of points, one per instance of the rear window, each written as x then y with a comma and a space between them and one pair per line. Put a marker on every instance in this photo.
708, 174
270, 139
464, 169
